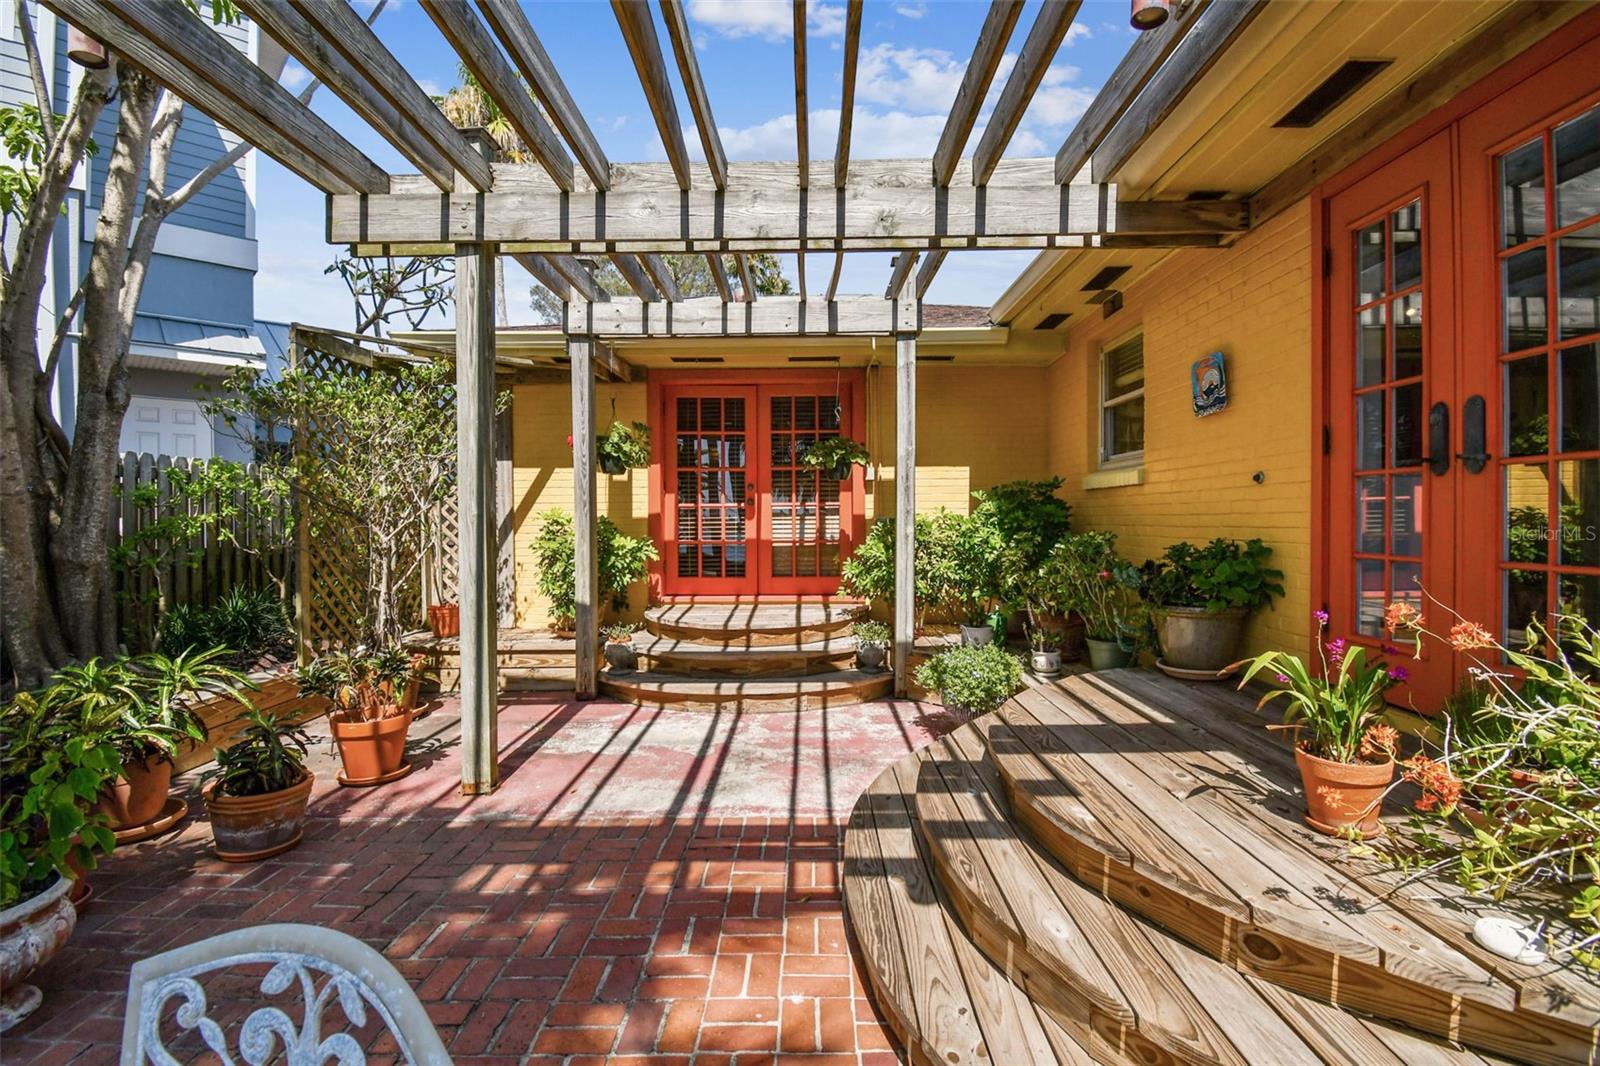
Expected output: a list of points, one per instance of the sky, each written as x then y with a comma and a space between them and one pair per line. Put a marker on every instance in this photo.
913, 54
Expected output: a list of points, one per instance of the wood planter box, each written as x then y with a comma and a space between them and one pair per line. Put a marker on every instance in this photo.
225, 718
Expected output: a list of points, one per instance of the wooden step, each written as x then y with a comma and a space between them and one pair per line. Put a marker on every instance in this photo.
1175, 802
707, 660
752, 624
676, 692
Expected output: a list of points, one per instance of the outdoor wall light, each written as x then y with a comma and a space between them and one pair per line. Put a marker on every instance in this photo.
1148, 14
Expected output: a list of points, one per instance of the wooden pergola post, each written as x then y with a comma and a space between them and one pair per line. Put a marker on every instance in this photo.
585, 521
905, 481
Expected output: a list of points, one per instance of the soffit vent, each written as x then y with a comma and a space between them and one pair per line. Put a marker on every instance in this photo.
1335, 88
1206, 194
813, 359
697, 359
936, 358
1111, 304
1052, 321
1104, 278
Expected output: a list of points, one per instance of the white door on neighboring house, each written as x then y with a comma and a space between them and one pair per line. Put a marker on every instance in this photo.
166, 427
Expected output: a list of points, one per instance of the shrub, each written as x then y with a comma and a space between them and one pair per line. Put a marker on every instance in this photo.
1224, 574
1093, 580
360, 685
975, 679
250, 623
869, 572
622, 561
268, 757
870, 633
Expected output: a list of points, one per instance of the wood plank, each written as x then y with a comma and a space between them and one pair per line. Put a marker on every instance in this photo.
661, 275
1050, 25
1138, 65
903, 264
986, 55
695, 89
619, 368
833, 279
905, 509
1210, 35
708, 316
802, 111
638, 279
176, 47
719, 276
886, 204
747, 281
585, 517
639, 33
545, 273
930, 266
847, 101
511, 26
477, 49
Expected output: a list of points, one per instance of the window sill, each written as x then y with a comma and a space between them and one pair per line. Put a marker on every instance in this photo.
1114, 477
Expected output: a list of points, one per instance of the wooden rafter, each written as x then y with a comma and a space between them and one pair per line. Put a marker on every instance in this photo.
181, 51
1138, 66
930, 266
511, 25
1208, 37
747, 281
981, 68
694, 87
634, 273
661, 275
847, 92
833, 279
1049, 27
802, 111
800, 272
565, 268
639, 32
477, 49
903, 265
719, 276
772, 316
543, 272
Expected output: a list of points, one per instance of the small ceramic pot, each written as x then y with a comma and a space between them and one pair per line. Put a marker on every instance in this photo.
976, 636
31, 932
1045, 663
371, 749
247, 828
1107, 654
621, 658
1342, 796
871, 657
138, 795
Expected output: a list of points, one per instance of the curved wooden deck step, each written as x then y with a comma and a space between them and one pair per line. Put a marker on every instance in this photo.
751, 624
676, 692
737, 659
1126, 780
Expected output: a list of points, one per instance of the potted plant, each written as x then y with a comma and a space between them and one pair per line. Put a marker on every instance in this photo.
1100, 587
365, 713
1044, 652
619, 651
444, 619
1344, 751
257, 792
836, 455
623, 447
972, 680
872, 645
963, 556
623, 561
53, 767
1200, 598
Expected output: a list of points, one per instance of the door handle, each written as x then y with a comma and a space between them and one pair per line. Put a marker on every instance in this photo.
1473, 454
1438, 458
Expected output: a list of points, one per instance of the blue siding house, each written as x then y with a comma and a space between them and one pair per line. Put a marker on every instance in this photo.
196, 318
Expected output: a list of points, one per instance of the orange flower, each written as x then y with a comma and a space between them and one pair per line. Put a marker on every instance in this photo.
1401, 615
1439, 786
1380, 742
1466, 636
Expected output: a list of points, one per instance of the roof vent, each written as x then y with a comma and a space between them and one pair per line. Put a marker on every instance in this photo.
1351, 75
936, 358
813, 359
1052, 321
1104, 278
697, 359
1206, 194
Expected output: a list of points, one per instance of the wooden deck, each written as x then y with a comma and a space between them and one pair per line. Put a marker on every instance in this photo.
1124, 852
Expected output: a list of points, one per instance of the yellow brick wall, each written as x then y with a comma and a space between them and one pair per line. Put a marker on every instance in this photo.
976, 427
1253, 303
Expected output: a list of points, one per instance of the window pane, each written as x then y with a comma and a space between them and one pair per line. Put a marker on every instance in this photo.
1522, 193
805, 412
1579, 600
1406, 506
711, 560
686, 411
1577, 147
1525, 596
1408, 425
1370, 259
710, 413
1580, 399
735, 561
829, 415
1405, 584
1580, 283
1370, 596
688, 523
1406, 224
782, 412
1126, 424
733, 414
1524, 287
1580, 512
688, 560
782, 560
1527, 407
1124, 368
1371, 502
1527, 507
1369, 431
1408, 336
1371, 345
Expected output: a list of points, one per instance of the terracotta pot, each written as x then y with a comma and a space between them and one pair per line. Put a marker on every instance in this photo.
31, 932
246, 828
371, 749
138, 795
1193, 638
85, 50
1341, 796
445, 619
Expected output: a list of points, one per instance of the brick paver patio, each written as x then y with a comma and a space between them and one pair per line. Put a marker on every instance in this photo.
549, 923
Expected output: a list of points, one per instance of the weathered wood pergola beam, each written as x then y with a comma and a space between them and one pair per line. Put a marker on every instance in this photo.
544, 272
986, 55
511, 26
1049, 27
833, 280
661, 274
904, 263
634, 273
1143, 58
561, 274
887, 204
802, 109
1208, 37
695, 89
585, 520
477, 48
606, 357
847, 91
905, 489
180, 50
747, 281
719, 276
930, 266
772, 316
639, 33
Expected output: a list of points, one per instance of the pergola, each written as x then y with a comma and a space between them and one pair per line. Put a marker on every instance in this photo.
575, 202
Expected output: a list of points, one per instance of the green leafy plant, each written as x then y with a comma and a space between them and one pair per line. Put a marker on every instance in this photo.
622, 561
268, 757
251, 623
53, 767
1336, 710
23, 139
361, 684
1097, 583
835, 453
1043, 638
625, 446
977, 680
869, 632
619, 632
1222, 575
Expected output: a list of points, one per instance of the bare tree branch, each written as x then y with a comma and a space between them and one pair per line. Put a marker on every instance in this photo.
41, 90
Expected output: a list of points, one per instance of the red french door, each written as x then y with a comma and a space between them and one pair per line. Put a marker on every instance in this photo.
740, 515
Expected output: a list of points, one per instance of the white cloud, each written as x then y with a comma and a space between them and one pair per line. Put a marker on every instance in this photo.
1076, 32
294, 76
911, 11
909, 77
430, 86
874, 135
772, 20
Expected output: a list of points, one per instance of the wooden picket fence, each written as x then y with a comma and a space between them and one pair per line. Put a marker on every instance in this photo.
253, 549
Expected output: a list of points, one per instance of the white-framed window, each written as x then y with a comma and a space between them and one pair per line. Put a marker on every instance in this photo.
1122, 402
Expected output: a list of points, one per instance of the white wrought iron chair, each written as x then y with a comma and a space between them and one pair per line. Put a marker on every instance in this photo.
299, 955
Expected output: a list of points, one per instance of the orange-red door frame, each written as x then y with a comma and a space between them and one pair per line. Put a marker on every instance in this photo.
852, 493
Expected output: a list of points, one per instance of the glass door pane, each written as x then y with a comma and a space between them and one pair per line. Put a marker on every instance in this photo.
711, 476
804, 527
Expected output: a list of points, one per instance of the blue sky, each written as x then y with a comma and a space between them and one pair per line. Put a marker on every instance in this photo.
913, 53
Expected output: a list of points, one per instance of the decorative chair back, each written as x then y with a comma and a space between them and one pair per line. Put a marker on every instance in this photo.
323, 964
